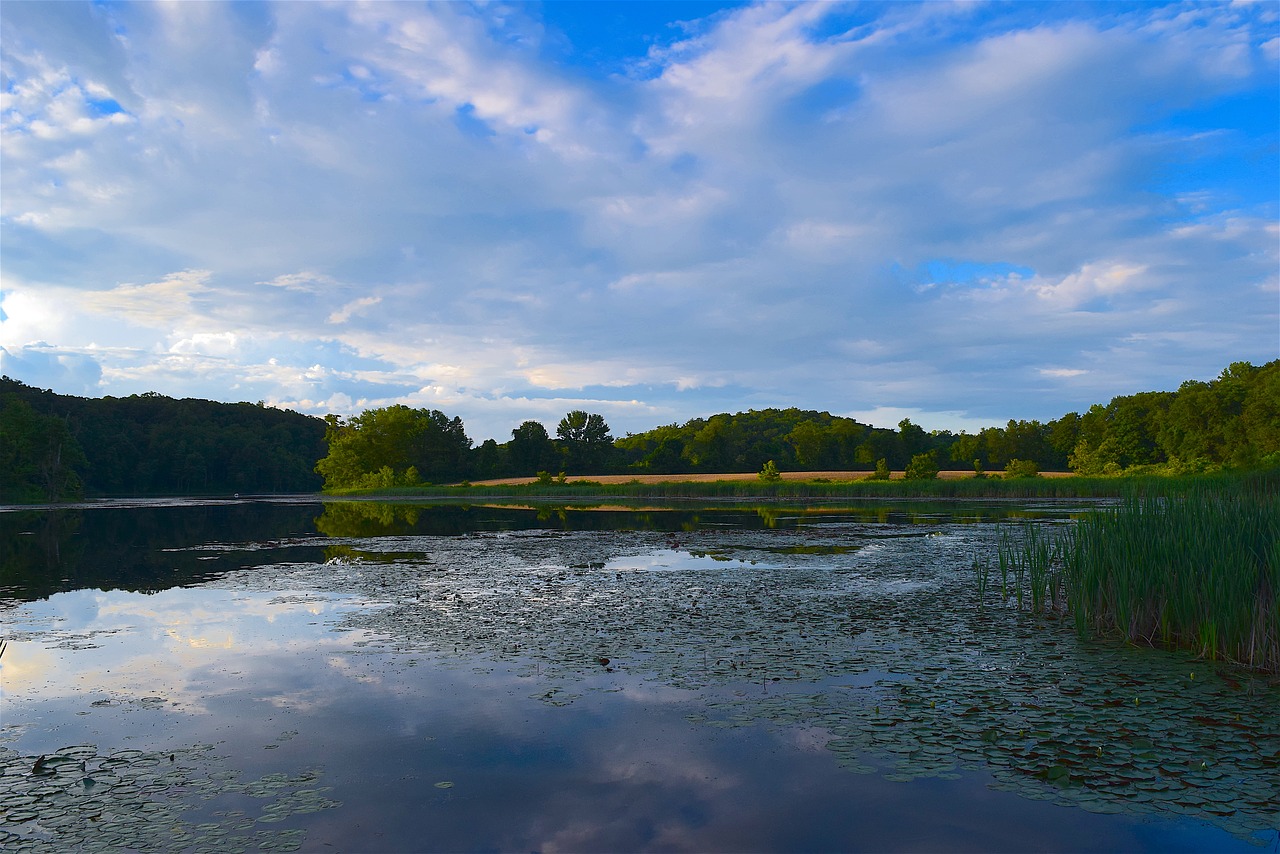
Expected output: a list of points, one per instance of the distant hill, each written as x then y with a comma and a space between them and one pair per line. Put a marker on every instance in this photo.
55, 447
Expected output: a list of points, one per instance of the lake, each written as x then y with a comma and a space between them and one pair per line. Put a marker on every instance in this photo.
360, 676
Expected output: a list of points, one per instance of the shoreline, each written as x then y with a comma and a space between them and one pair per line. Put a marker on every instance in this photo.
733, 477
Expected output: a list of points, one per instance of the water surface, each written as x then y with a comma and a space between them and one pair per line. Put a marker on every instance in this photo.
360, 676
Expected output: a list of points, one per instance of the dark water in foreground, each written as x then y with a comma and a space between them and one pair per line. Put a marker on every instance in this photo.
361, 677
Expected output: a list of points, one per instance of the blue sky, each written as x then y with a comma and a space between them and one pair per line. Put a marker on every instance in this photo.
957, 213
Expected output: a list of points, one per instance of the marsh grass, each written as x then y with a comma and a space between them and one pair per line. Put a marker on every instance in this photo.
1197, 569
1031, 568
965, 488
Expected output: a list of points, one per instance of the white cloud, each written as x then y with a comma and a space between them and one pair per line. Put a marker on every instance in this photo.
207, 344
345, 313
154, 304
1094, 280
303, 282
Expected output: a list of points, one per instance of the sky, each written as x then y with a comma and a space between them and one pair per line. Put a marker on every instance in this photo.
960, 213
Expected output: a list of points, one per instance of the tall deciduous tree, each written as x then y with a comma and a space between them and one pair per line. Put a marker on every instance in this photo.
531, 450
407, 443
586, 441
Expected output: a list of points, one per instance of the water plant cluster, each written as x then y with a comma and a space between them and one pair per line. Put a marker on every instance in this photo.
84, 799
1199, 571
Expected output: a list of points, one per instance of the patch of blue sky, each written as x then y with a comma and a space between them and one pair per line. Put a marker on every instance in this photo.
465, 120
1226, 180
826, 97
100, 107
990, 18
1232, 150
950, 271
846, 21
604, 37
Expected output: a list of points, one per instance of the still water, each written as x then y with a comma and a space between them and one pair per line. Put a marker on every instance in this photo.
356, 676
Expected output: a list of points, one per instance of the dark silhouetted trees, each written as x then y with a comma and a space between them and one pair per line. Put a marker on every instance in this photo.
150, 445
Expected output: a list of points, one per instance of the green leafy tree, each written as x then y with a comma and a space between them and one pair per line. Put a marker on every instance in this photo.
1021, 469
1260, 419
530, 449
843, 438
488, 459
968, 448
396, 438
882, 470
922, 466
811, 444
1233, 420
912, 439
792, 438
586, 441
582, 426
769, 473
658, 450
1100, 459
1063, 435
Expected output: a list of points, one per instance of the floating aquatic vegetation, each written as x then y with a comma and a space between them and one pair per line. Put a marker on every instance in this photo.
869, 631
81, 799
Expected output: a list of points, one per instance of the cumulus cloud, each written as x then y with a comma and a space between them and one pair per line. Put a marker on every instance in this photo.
909, 208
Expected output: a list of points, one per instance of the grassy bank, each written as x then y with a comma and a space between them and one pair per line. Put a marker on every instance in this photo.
965, 488
1197, 569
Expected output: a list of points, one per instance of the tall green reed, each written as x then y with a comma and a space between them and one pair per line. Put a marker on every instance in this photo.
1031, 561
1198, 569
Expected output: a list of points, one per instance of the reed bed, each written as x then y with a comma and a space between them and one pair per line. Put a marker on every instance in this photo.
1199, 570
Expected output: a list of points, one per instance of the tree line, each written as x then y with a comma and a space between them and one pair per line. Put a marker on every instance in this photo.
1230, 422
57, 447
54, 447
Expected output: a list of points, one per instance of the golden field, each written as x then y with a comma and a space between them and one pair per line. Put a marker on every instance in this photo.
711, 478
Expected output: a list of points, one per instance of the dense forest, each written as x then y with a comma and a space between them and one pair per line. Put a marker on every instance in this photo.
55, 447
